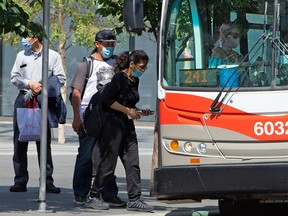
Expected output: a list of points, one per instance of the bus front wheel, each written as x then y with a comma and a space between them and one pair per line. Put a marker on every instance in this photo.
229, 207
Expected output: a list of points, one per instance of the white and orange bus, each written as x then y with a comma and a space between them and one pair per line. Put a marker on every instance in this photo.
223, 129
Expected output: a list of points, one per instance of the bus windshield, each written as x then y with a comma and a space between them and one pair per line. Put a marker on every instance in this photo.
235, 44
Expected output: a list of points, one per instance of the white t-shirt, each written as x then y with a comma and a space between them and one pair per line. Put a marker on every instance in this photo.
91, 86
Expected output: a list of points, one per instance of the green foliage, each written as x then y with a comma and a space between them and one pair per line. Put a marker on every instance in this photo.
115, 9
71, 22
184, 19
13, 18
82, 19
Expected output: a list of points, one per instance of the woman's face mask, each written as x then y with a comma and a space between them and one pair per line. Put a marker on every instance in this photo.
107, 52
137, 73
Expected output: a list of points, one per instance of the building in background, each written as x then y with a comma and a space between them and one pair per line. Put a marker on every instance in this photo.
75, 54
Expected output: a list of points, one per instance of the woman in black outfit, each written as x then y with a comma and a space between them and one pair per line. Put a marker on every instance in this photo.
119, 136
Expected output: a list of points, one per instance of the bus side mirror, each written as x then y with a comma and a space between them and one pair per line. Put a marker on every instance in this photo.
133, 15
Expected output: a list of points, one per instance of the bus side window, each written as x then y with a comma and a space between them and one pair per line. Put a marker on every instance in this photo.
282, 77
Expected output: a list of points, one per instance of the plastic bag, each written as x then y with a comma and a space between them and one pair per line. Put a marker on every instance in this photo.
29, 124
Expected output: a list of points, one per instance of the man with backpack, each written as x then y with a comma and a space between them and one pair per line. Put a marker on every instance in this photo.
84, 86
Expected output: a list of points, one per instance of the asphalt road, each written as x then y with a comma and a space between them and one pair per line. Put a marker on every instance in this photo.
64, 158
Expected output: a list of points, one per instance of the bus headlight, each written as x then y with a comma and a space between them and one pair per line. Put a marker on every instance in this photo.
202, 148
174, 145
188, 147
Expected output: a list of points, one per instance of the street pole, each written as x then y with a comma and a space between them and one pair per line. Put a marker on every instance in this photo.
44, 108
1, 72
131, 43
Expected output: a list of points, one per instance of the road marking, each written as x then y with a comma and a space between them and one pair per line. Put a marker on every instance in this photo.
64, 151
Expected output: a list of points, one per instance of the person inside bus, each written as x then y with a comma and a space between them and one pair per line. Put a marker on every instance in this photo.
223, 51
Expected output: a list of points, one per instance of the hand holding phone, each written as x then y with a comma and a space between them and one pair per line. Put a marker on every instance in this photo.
145, 112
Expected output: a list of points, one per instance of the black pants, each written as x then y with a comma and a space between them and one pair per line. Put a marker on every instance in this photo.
117, 141
84, 164
20, 161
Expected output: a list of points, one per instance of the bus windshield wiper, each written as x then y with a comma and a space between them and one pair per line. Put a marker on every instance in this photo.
215, 107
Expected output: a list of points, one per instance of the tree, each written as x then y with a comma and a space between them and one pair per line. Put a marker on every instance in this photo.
115, 7
71, 22
14, 19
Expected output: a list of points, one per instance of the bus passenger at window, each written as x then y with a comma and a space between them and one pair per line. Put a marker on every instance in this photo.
223, 51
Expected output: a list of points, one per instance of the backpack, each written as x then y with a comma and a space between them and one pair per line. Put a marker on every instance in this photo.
95, 115
89, 72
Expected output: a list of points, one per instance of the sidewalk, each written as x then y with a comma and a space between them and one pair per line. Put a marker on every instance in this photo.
64, 155
26, 203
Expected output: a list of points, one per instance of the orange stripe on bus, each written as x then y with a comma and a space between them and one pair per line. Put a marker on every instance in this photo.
194, 160
185, 109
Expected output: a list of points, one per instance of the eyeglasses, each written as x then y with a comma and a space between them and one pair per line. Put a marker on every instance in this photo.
142, 68
234, 35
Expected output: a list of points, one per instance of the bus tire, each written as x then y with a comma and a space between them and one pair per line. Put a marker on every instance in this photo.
230, 207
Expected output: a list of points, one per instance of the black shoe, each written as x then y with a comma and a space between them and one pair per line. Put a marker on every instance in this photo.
18, 188
79, 200
115, 202
52, 189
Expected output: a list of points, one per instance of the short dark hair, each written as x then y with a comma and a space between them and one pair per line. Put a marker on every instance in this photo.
36, 31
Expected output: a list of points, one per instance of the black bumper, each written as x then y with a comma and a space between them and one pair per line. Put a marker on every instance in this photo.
215, 182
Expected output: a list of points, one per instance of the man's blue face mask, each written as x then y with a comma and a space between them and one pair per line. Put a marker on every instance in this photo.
26, 43
107, 52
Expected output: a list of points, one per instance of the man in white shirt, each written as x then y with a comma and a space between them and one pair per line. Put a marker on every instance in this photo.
26, 75
103, 60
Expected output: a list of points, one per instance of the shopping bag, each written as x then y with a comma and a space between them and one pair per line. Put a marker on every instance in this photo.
29, 123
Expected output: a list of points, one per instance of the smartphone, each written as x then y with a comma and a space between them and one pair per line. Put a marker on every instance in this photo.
142, 111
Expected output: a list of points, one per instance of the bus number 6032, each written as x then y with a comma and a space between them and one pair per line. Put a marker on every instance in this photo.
270, 128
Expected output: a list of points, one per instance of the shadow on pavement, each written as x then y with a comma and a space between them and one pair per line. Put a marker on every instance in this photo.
63, 202
28, 201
